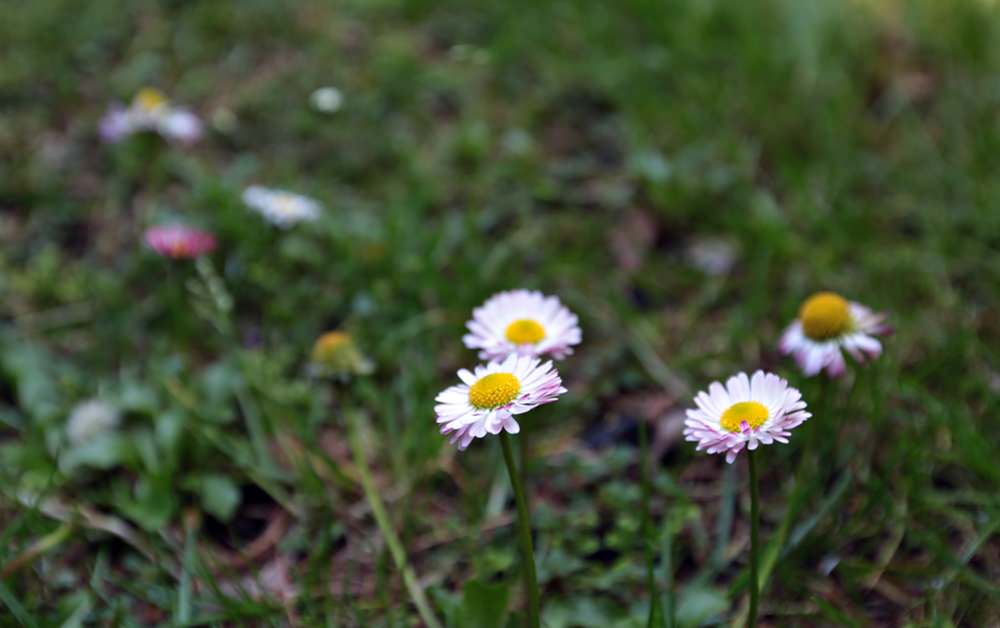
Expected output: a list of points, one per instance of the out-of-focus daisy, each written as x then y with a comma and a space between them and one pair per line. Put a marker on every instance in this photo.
179, 241
336, 353
828, 323
712, 256
489, 398
746, 412
522, 322
279, 207
327, 99
150, 111
90, 418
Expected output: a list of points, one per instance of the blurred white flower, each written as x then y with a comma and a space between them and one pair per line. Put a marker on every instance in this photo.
279, 207
522, 322
827, 324
90, 418
336, 354
327, 99
712, 257
150, 111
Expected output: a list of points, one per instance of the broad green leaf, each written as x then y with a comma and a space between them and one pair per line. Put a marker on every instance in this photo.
698, 604
484, 605
102, 451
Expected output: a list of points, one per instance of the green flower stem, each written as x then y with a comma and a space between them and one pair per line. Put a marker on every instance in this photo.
524, 535
806, 478
754, 518
655, 617
396, 549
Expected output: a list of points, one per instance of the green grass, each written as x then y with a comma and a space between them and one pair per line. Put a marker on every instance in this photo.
582, 148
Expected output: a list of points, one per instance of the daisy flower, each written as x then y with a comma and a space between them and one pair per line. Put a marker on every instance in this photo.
336, 353
746, 412
90, 418
489, 398
150, 111
327, 99
828, 323
522, 322
279, 207
179, 241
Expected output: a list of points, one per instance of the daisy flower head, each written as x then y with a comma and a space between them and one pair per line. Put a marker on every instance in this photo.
744, 413
90, 418
179, 241
150, 111
279, 207
522, 322
489, 397
335, 353
826, 325
327, 99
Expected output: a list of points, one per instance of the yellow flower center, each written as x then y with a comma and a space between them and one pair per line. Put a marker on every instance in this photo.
494, 390
525, 331
150, 99
825, 315
750, 411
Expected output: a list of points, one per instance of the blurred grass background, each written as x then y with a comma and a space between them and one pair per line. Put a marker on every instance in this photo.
682, 174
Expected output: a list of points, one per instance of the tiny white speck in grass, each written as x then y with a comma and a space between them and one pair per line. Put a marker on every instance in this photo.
327, 99
281, 208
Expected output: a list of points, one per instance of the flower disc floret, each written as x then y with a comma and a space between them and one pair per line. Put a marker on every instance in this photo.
825, 315
494, 390
751, 413
525, 331
150, 99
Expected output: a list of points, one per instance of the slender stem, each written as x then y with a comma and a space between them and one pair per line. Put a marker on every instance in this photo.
396, 549
38, 548
655, 617
754, 518
523, 440
822, 413
524, 535
183, 611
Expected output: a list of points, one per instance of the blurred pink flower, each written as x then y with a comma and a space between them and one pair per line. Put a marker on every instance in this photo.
179, 241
